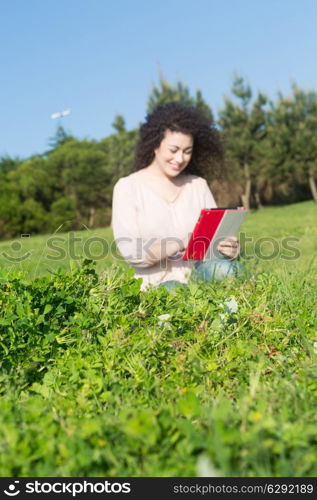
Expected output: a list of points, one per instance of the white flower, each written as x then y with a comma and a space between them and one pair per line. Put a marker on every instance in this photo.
163, 321
164, 317
231, 305
315, 347
205, 468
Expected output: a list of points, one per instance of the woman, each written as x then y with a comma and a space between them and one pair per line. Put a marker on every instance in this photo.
155, 208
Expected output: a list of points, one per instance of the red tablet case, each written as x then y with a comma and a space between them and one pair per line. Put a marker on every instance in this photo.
213, 226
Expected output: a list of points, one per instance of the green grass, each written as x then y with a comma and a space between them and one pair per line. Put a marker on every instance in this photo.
40, 255
270, 230
274, 230
93, 382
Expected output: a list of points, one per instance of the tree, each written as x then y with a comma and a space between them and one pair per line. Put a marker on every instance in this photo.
119, 149
32, 181
304, 140
119, 124
60, 137
244, 127
164, 93
7, 164
291, 144
79, 168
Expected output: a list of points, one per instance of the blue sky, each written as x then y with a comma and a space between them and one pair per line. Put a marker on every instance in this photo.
102, 57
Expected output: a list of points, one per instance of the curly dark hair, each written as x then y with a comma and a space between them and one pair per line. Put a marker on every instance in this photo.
207, 151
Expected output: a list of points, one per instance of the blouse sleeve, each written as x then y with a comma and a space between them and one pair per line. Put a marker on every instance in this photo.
125, 227
209, 200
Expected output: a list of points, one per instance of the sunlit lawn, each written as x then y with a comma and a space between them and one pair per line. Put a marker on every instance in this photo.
280, 238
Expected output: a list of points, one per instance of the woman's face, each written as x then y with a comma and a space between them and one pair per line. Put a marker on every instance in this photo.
174, 153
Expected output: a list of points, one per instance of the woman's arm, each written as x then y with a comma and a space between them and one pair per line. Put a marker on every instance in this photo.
137, 251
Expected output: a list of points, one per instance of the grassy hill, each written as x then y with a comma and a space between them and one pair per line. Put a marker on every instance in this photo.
272, 231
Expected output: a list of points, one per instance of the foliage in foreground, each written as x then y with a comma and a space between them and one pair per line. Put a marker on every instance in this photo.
96, 382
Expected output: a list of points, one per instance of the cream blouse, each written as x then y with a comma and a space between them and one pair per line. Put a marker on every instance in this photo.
141, 217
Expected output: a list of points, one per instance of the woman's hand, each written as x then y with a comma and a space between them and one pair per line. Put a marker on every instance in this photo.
229, 247
182, 245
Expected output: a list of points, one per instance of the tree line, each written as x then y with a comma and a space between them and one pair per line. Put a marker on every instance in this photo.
270, 158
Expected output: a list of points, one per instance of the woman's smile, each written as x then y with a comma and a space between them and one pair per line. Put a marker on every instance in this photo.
174, 154
176, 167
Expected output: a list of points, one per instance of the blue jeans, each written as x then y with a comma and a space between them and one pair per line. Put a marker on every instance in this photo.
211, 270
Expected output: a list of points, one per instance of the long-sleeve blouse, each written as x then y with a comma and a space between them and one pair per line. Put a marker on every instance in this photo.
141, 217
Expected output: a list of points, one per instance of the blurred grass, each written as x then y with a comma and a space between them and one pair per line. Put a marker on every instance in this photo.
281, 239
40, 255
